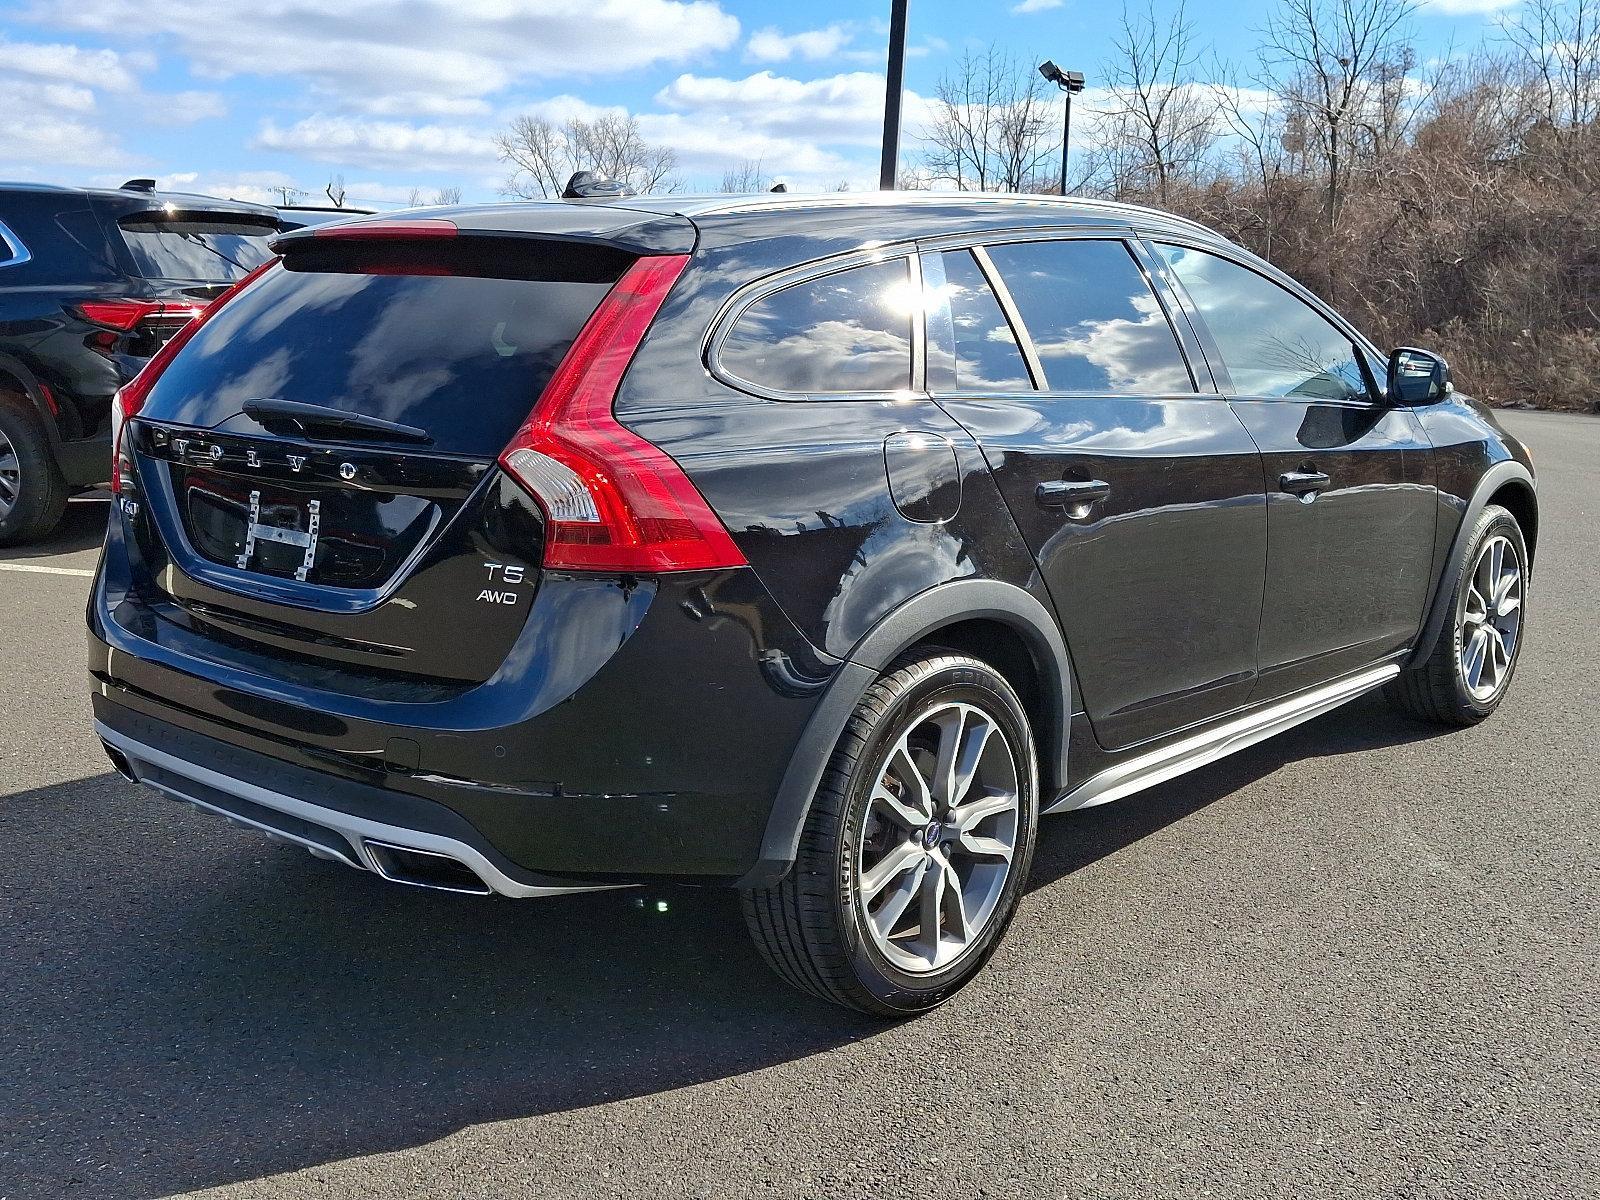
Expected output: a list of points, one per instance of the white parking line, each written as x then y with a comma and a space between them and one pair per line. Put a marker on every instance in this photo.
35, 569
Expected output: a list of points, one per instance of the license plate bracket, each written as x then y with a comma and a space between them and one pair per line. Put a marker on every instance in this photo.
257, 530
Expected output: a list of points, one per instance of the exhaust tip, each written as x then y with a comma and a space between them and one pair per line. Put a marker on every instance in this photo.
425, 868
119, 761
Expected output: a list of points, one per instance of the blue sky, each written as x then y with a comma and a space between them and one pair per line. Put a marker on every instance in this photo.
233, 98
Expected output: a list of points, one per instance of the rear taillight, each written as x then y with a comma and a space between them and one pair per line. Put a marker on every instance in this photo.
613, 501
125, 314
131, 396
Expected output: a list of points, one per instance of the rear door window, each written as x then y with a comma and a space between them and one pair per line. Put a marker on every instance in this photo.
987, 358
196, 251
1271, 341
1096, 325
463, 356
845, 332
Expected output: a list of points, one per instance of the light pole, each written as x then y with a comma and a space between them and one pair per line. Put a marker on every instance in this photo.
1070, 82
891, 95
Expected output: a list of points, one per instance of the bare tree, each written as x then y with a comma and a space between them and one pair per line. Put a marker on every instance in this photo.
746, 177
335, 190
1329, 60
415, 200
991, 126
447, 195
544, 155
1166, 119
1557, 43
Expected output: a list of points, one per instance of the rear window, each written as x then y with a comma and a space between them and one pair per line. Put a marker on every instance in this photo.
197, 251
845, 332
461, 356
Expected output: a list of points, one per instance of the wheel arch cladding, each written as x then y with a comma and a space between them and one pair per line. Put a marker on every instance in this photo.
984, 618
1507, 483
17, 379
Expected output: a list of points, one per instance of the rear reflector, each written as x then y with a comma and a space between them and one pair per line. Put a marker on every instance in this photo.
131, 396
613, 501
125, 314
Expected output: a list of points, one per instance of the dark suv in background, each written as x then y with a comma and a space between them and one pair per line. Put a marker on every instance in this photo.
811, 546
92, 282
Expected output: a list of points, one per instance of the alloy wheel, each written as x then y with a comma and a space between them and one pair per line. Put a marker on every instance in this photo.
1491, 619
10, 476
937, 839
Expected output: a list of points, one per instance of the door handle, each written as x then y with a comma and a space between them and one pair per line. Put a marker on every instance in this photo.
1303, 483
1074, 495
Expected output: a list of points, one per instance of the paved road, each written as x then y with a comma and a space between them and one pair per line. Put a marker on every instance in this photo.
1362, 959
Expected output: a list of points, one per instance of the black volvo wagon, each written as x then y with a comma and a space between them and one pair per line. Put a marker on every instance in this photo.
815, 547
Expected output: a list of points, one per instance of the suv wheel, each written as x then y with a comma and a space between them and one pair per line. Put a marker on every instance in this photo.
1466, 676
32, 493
917, 845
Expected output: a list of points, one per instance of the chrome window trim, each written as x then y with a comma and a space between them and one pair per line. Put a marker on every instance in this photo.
9, 241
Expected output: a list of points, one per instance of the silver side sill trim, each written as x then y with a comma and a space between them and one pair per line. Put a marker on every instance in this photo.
356, 831
1168, 762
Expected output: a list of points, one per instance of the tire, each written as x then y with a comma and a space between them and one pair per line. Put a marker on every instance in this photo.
829, 927
33, 494
1443, 688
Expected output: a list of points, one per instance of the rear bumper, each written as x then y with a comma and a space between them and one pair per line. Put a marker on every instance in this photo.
433, 849
637, 738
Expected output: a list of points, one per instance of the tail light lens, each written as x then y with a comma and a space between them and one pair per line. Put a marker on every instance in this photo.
613, 501
130, 397
125, 314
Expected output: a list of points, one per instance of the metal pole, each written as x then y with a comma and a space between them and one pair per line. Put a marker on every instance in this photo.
891, 98
1066, 136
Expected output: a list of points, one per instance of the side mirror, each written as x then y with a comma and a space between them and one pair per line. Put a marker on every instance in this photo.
1418, 377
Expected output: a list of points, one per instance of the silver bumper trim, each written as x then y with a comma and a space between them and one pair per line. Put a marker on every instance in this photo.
354, 831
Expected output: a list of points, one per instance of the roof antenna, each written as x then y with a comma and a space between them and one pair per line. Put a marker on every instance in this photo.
779, 187
588, 185
139, 185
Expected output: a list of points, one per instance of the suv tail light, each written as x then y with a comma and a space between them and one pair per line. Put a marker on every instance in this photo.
613, 501
130, 397
125, 314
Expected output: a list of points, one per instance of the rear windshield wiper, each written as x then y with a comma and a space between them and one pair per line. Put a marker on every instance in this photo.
312, 420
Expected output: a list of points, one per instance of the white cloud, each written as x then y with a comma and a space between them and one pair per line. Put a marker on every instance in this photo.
769, 45
845, 108
67, 64
374, 53
1033, 6
708, 145
380, 145
49, 127
1467, 8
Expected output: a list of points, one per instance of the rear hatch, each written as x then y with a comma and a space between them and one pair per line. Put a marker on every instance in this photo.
318, 460
186, 258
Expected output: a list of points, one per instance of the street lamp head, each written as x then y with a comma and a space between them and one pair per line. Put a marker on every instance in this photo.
1068, 81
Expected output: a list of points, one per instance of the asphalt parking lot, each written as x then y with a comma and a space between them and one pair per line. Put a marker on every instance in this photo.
1362, 959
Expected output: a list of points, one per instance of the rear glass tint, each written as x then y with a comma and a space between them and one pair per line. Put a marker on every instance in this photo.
1096, 325
196, 251
463, 357
987, 358
845, 332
